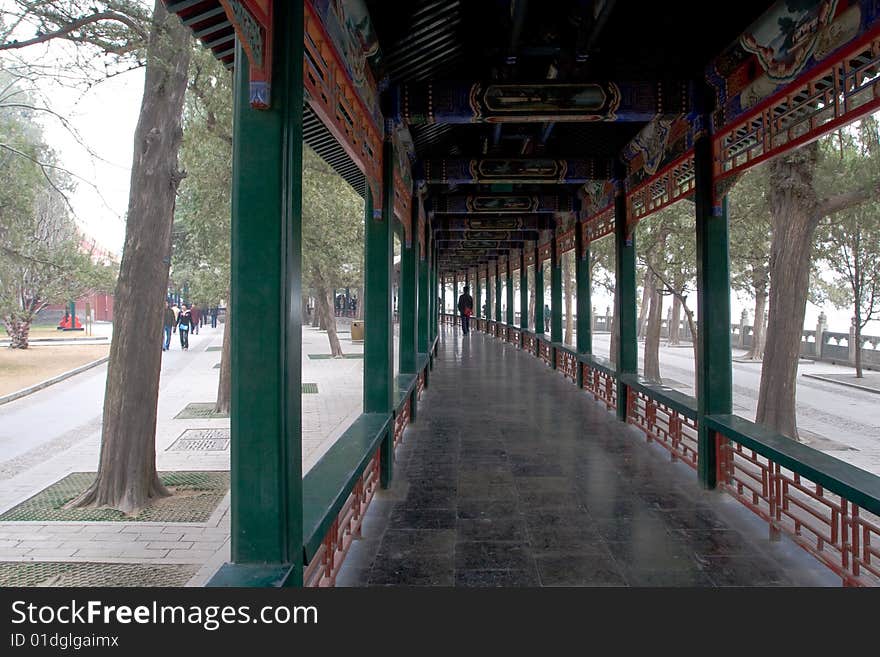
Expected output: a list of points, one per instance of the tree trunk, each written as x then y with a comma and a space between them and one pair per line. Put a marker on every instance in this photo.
304, 309
328, 317
793, 211
127, 478
224, 385
756, 351
360, 305
18, 326
858, 336
692, 325
316, 316
646, 300
532, 297
857, 298
675, 322
568, 291
652, 333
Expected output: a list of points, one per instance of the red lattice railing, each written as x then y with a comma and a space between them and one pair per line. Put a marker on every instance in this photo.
513, 336
831, 528
502, 332
668, 426
530, 343
601, 384
546, 352
400, 422
323, 568
566, 362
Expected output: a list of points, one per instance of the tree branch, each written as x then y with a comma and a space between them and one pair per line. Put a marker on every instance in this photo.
75, 25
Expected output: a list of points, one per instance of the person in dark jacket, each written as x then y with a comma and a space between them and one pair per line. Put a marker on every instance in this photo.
169, 324
196, 317
465, 309
184, 326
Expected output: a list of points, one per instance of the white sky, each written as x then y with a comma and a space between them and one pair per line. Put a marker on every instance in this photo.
105, 117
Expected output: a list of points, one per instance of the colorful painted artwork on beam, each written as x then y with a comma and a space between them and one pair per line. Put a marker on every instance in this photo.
515, 170
789, 39
348, 25
252, 21
421, 103
403, 183
495, 223
596, 196
502, 204
660, 143
336, 100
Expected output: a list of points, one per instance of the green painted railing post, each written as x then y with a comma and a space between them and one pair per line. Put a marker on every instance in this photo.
406, 300
714, 367
509, 318
378, 347
539, 292
523, 292
497, 292
555, 293
266, 259
624, 292
584, 302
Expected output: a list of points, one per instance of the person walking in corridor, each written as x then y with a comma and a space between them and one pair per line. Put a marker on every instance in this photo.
184, 325
169, 324
466, 309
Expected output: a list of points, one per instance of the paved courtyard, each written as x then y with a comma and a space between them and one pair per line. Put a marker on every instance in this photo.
54, 432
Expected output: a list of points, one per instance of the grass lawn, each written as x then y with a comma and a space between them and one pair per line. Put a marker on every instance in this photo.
20, 368
51, 332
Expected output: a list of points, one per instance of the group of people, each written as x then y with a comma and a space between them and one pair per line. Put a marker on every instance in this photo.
183, 320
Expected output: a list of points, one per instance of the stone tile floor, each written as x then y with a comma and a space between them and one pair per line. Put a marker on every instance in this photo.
498, 484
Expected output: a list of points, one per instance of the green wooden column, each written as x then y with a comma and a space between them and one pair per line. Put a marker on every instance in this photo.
435, 288
624, 293
478, 309
714, 367
497, 292
555, 293
454, 293
584, 302
539, 292
424, 298
509, 318
407, 300
378, 346
265, 419
489, 293
523, 292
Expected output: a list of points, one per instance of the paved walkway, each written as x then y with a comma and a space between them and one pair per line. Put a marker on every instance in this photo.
51, 433
512, 476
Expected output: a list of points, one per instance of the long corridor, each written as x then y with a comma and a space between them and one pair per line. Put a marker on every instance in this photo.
512, 476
